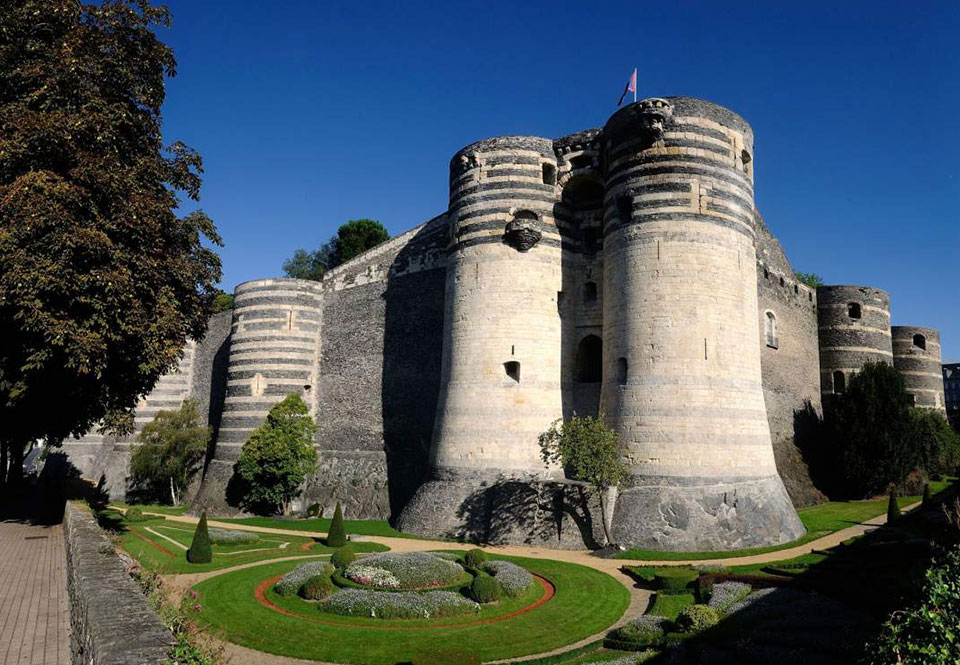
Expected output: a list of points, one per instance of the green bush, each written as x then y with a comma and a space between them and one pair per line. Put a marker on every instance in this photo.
474, 557
200, 550
317, 587
447, 657
315, 510
134, 514
674, 580
169, 452
337, 536
485, 589
893, 508
925, 634
695, 618
343, 557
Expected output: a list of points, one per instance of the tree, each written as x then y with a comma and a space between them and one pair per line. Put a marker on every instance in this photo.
353, 238
222, 302
102, 279
200, 549
811, 279
337, 535
937, 442
279, 456
588, 450
169, 451
357, 236
870, 439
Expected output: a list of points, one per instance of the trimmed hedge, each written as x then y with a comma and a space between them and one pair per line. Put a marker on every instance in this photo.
485, 589
337, 535
343, 557
200, 550
317, 587
474, 557
696, 618
675, 580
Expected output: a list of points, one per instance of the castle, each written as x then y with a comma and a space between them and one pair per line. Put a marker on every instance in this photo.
623, 271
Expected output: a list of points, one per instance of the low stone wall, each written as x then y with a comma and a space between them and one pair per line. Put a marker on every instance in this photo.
112, 621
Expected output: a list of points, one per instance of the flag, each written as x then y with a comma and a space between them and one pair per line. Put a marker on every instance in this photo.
631, 87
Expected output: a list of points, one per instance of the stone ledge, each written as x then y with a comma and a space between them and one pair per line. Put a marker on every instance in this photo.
112, 621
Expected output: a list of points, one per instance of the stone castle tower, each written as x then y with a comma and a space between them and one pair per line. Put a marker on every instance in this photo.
622, 271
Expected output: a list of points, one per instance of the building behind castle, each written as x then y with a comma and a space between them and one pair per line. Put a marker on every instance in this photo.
622, 270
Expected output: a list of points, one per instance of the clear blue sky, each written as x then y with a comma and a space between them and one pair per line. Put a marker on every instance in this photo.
309, 113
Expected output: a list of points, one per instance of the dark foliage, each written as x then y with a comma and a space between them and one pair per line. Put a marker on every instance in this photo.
337, 536
317, 587
343, 557
352, 239
485, 589
893, 508
200, 549
102, 279
474, 557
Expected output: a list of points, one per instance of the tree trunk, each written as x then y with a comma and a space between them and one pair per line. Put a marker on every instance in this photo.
173, 493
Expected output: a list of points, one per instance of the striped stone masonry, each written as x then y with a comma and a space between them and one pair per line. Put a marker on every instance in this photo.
854, 329
916, 354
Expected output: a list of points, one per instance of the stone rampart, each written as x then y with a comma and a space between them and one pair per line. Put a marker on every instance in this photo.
112, 621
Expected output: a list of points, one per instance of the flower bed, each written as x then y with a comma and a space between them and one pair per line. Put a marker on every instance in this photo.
230, 537
405, 570
726, 594
398, 605
514, 580
290, 583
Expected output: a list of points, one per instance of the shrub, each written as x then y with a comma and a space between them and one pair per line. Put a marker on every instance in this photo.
925, 634
412, 570
290, 583
398, 605
926, 495
343, 557
674, 580
485, 589
315, 510
200, 550
134, 514
893, 508
726, 594
278, 457
514, 581
317, 587
644, 629
474, 557
695, 618
447, 657
231, 537
337, 535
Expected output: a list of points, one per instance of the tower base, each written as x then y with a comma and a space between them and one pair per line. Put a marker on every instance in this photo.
505, 509
704, 514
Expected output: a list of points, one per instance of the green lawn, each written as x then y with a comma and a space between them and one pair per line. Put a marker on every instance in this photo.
819, 521
150, 543
586, 602
355, 527
153, 507
670, 605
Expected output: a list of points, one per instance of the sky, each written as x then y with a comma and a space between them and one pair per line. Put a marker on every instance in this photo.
309, 113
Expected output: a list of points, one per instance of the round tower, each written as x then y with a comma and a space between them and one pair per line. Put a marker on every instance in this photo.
274, 351
916, 354
500, 380
854, 329
681, 379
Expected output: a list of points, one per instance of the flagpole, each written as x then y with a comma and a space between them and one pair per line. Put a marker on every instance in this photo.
634, 85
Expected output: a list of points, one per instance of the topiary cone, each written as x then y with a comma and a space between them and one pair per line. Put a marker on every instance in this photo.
893, 508
200, 550
337, 536
926, 496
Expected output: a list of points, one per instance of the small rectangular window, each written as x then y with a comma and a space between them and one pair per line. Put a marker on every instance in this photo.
512, 369
549, 174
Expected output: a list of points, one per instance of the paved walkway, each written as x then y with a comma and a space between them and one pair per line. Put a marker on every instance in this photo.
34, 613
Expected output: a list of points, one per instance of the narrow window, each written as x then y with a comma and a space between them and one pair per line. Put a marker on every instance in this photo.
622, 371
766, 274
549, 174
512, 369
913, 399
590, 293
781, 281
624, 209
770, 330
839, 383
920, 342
853, 310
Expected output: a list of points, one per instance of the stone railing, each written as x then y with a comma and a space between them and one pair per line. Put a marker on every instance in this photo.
112, 621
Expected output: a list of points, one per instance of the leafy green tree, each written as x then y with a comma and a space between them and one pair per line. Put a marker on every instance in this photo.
928, 634
279, 456
811, 279
870, 438
357, 236
353, 238
200, 549
222, 302
337, 535
102, 279
937, 442
589, 451
169, 452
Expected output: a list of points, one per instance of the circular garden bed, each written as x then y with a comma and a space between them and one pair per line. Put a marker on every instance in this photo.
392, 607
